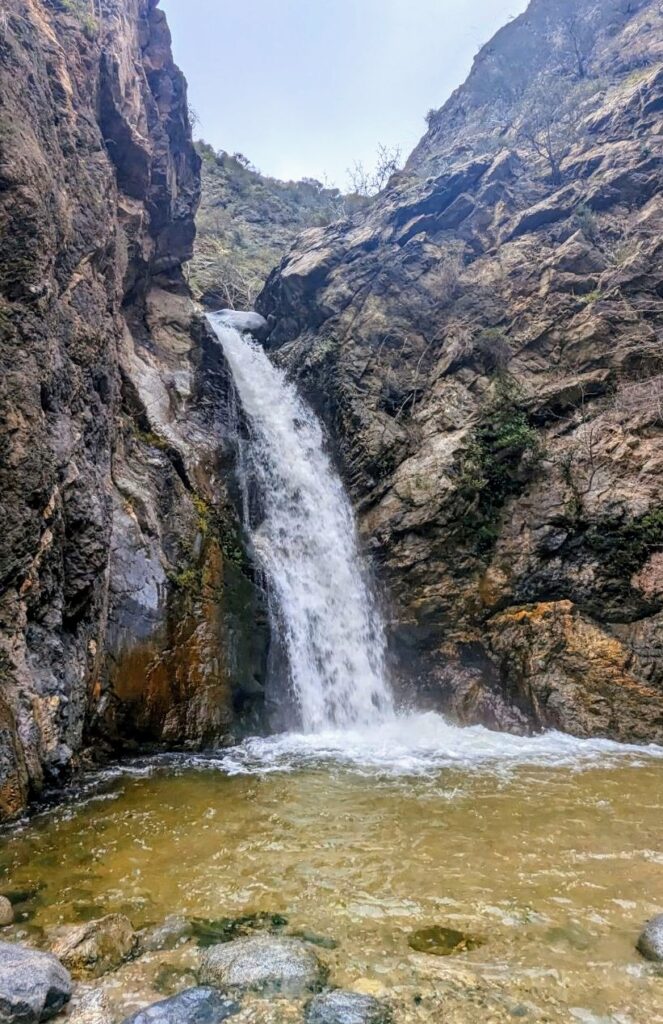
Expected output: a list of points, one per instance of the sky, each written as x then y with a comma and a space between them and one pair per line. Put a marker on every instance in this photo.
304, 88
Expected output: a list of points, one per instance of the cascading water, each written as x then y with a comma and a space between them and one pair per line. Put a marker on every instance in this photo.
306, 544
326, 614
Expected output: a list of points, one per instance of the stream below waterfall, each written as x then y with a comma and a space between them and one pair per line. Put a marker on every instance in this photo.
362, 824
555, 862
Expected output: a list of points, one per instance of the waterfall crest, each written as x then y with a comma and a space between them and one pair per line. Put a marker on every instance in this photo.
307, 546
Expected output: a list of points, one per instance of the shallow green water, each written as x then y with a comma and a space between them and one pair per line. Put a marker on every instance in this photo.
555, 868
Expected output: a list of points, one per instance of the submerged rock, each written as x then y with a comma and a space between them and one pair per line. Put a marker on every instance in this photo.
439, 941
97, 946
650, 943
341, 1007
263, 964
194, 1006
33, 986
209, 932
167, 935
6, 912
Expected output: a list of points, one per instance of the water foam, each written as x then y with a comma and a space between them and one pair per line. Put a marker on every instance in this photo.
419, 744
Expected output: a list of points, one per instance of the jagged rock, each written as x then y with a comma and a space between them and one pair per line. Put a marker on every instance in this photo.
650, 943
263, 964
193, 1006
339, 1007
33, 986
96, 947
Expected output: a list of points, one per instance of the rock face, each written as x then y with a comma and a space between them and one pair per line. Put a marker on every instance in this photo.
33, 986
263, 964
126, 605
193, 1006
485, 347
93, 948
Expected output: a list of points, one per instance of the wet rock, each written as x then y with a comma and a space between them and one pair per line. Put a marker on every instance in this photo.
439, 941
6, 912
339, 1007
245, 323
263, 964
97, 946
171, 933
650, 943
33, 986
90, 1006
194, 1006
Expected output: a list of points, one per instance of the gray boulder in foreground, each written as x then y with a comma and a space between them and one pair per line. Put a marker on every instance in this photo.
193, 1006
340, 1007
650, 943
263, 963
33, 986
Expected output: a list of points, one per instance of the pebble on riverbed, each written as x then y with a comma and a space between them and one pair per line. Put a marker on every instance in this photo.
193, 1006
339, 1007
263, 964
650, 943
6, 912
33, 986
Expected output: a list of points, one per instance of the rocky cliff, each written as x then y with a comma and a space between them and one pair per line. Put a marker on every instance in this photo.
485, 346
125, 595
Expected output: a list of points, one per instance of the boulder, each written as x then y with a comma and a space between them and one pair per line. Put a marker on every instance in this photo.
193, 1006
244, 322
263, 964
340, 1007
6, 912
650, 943
93, 948
33, 986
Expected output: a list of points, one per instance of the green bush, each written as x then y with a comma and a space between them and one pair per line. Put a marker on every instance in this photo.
501, 456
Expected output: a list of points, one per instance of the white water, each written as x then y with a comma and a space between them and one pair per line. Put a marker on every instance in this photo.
331, 627
306, 544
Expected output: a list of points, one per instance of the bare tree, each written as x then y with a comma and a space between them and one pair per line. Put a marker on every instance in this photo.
369, 182
551, 118
576, 39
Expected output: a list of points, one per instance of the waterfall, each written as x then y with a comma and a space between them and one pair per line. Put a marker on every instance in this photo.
306, 543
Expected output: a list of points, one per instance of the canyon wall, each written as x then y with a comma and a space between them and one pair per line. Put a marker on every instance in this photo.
128, 615
486, 348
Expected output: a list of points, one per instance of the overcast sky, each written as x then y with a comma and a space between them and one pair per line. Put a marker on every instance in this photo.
306, 87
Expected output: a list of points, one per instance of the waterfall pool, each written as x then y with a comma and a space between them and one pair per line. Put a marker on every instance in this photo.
550, 851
